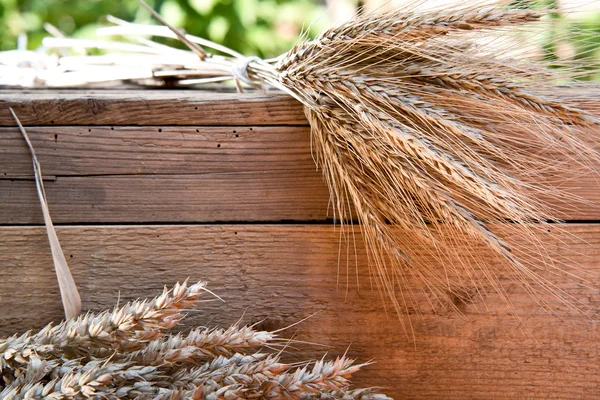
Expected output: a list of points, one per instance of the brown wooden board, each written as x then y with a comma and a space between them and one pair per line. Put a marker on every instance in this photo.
190, 174
194, 150
186, 107
182, 156
281, 274
148, 107
253, 196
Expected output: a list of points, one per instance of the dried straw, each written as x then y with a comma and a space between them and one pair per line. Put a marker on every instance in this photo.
410, 131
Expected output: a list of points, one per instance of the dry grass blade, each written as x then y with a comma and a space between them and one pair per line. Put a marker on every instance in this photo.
193, 46
68, 289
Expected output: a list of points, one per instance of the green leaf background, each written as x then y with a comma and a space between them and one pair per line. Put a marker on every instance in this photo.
265, 28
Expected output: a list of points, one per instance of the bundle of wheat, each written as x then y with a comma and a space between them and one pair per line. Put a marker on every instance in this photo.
424, 129
410, 120
128, 353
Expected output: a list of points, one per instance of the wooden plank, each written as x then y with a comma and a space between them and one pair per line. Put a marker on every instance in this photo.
189, 174
186, 107
288, 195
148, 107
104, 150
281, 274
254, 196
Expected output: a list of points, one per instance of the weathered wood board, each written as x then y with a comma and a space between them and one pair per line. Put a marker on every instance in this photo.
151, 187
281, 274
148, 107
191, 174
181, 107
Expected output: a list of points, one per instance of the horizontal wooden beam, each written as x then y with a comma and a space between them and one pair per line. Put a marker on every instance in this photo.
190, 107
119, 150
191, 174
282, 274
148, 107
253, 196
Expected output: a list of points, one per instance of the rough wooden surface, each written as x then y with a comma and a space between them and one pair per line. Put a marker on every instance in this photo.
190, 174
254, 196
139, 157
121, 150
281, 274
185, 107
148, 107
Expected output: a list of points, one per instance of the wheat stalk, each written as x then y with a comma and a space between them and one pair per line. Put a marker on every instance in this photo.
110, 356
125, 329
407, 128
201, 344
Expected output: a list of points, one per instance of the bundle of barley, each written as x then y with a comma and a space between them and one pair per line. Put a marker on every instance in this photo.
423, 126
128, 353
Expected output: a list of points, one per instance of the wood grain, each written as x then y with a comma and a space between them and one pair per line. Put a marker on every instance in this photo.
188, 107
281, 274
148, 107
105, 150
140, 157
254, 196
190, 174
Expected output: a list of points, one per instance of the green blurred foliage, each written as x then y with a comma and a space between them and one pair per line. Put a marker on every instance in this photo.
585, 38
574, 44
571, 41
265, 28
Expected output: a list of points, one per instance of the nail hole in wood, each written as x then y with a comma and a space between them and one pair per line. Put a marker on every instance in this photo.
219, 145
160, 131
112, 128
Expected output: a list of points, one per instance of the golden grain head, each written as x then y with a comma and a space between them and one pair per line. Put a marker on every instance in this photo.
428, 137
66, 361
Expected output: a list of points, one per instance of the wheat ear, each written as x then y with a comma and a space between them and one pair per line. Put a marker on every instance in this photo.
119, 361
409, 125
